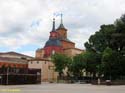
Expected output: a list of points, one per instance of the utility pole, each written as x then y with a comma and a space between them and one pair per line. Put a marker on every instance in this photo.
1, 79
7, 75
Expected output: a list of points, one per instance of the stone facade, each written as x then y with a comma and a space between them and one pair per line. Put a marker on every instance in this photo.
47, 69
58, 42
72, 51
67, 44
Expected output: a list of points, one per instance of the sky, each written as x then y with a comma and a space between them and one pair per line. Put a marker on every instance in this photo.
25, 24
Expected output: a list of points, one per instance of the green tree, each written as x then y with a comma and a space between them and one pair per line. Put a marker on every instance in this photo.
112, 66
118, 43
98, 43
101, 39
77, 65
3, 68
92, 60
60, 61
109, 43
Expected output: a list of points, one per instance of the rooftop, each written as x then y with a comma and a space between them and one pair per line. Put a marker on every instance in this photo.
13, 60
14, 54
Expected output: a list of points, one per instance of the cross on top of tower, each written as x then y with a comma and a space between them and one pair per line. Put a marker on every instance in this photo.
61, 26
53, 29
61, 18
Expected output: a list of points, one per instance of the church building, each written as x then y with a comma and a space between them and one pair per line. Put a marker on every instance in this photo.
58, 42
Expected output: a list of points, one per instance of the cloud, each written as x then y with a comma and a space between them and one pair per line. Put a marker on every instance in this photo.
28, 22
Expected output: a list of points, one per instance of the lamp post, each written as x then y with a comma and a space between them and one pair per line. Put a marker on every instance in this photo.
7, 75
1, 79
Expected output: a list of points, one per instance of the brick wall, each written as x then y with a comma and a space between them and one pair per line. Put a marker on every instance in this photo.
66, 44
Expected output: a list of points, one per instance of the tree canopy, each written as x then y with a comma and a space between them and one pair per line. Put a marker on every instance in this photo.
60, 61
104, 55
109, 44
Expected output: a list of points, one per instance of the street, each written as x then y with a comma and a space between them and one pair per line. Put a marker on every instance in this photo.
61, 88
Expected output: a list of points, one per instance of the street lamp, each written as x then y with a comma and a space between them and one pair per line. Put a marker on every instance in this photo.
7, 75
1, 79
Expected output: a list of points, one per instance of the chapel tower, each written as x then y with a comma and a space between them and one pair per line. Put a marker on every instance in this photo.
58, 42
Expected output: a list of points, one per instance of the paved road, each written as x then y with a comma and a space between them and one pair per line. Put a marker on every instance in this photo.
61, 88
